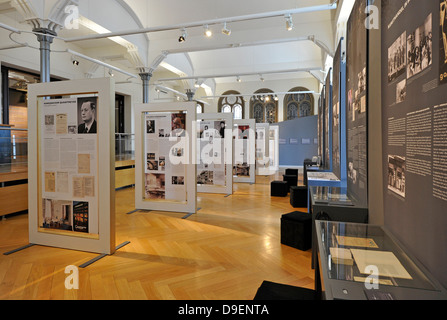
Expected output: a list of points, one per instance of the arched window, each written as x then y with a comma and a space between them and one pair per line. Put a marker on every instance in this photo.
200, 108
298, 105
232, 103
264, 106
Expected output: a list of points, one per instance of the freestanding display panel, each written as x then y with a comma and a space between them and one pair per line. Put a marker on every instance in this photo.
327, 111
71, 178
274, 148
165, 153
262, 148
244, 152
357, 104
215, 153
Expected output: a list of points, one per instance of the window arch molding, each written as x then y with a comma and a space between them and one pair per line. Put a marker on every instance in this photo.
233, 102
264, 106
298, 105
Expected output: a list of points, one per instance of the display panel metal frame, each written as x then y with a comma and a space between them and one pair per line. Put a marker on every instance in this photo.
104, 241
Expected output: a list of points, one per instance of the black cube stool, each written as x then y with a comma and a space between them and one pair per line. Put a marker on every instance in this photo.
296, 230
298, 196
291, 180
279, 189
291, 172
277, 291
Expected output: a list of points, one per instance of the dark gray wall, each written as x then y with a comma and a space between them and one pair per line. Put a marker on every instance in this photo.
414, 210
375, 166
301, 128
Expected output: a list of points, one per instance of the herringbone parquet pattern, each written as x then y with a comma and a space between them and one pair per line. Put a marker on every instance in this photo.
224, 252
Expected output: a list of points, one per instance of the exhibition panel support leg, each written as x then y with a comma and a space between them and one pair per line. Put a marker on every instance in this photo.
190, 214
187, 216
86, 264
19, 249
136, 210
133, 211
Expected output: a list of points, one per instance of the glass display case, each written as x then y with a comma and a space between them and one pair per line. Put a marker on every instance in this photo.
323, 178
361, 261
326, 195
333, 204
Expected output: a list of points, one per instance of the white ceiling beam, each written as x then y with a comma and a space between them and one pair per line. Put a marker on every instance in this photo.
242, 74
80, 55
255, 16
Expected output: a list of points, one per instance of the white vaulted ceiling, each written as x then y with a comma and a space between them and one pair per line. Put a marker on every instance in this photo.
254, 46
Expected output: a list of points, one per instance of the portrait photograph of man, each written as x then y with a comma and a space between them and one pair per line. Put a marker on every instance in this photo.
87, 110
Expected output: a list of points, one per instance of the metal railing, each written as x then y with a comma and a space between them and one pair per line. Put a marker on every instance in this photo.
124, 145
13, 147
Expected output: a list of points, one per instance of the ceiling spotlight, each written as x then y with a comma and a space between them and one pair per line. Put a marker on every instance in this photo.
289, 22
74, 61
111, 73
182, 38
261, 78
276, 98
225, 30
238, 79
208, 31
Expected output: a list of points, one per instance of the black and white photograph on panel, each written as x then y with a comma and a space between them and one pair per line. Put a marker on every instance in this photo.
419, 48
443, 42
87, 115
401, 91
155, 186
396, 174
397, 57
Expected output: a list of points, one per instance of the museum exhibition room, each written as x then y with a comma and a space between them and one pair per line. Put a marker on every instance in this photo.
214, 151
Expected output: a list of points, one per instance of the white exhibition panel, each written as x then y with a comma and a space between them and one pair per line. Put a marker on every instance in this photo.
244, 151
262, 148
215, 153
165, 169
71, 183
274, 148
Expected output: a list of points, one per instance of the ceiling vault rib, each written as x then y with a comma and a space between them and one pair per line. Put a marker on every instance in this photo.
255, 16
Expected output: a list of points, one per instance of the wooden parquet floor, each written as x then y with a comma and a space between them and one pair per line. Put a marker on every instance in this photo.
223, 252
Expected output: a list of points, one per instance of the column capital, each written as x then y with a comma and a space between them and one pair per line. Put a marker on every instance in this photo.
145, 76
45, 35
